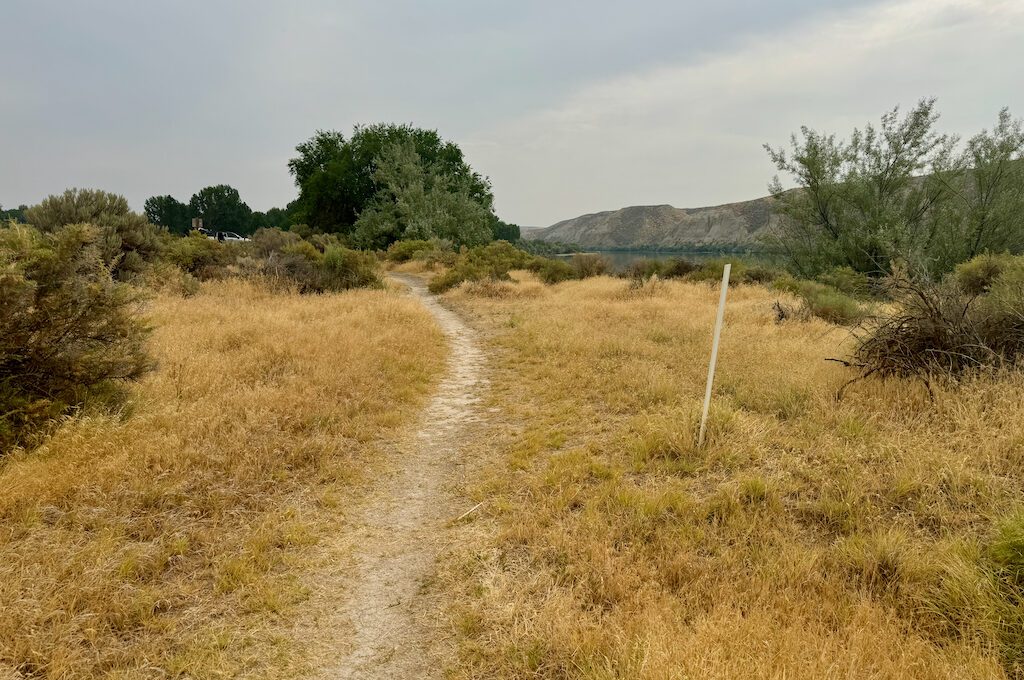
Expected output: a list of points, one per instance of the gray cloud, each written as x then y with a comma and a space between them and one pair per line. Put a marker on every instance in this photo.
570, 107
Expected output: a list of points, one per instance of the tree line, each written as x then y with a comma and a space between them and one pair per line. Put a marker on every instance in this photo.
383, 184
220, 207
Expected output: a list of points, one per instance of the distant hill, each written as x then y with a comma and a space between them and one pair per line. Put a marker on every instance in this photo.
664, 226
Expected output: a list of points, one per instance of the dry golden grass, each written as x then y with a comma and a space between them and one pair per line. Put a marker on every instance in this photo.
169, 540
808, 539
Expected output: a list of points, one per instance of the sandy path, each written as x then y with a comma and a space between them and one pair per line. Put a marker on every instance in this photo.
403, 525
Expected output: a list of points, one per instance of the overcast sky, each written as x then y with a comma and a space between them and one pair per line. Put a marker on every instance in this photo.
568, 106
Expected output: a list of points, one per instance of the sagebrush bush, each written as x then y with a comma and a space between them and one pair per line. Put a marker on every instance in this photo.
403, 251
551, 270
977, 275
672, 268
202, 257
645, 268
678, 267
68, 330
311, 271
759, 274
492, 261
847, 281
269, 240
127, 239
344, 268
590, 264
711, 270
165, 277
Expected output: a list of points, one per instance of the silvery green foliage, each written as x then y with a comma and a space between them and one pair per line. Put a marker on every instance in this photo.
416, 202
899, 193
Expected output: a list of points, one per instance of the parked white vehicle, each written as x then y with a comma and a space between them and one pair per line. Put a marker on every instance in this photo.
221, 235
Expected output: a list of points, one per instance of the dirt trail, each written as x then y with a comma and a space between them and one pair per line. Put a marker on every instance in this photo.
403, 525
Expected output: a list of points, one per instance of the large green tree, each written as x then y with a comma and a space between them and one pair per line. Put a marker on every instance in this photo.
419, 201
222, 209
505, 231
275, 218
337, 178
169, 212
985, 211
900, 192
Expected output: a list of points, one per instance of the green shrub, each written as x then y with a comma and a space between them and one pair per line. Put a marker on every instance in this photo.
68, 331
550, 270
403, 251
311, 271
643, 269
344, 268
165, 277
127, 239
269, 240
324, 242
760, 274
590, 264
202, 257
847, 281
711, 270
492, 261
677, 268
442, 254
977, 275
823, 301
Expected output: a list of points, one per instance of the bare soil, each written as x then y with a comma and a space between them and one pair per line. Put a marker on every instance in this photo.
403, 525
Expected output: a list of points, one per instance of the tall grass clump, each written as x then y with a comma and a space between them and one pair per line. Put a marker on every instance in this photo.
68, 330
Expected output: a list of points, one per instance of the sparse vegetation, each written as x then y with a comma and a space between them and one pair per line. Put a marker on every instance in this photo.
177, 537
169, 530
876, 536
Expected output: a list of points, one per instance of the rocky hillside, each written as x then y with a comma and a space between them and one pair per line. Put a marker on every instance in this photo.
663, 226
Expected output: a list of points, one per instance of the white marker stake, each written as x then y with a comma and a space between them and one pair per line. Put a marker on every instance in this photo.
714, 354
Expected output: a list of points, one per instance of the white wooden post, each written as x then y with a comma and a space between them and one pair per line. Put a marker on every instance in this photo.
714, 355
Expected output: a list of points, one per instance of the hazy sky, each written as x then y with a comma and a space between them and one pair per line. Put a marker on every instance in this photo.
569, 106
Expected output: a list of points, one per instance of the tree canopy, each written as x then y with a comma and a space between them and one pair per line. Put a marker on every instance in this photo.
338, 179
169, 212
418, 201
222, 209
16, 214
900, 193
